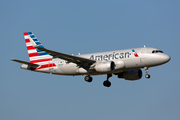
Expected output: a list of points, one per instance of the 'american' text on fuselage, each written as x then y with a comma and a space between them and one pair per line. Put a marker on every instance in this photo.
112, 56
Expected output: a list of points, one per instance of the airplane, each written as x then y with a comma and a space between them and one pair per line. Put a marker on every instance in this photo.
125, 63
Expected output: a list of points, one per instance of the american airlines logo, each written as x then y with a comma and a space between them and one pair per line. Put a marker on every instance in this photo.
135, 53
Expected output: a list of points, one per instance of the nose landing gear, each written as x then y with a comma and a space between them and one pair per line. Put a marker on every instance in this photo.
147, 75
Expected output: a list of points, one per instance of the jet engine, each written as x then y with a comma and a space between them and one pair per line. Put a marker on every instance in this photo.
134, 74
105, 66
119, 65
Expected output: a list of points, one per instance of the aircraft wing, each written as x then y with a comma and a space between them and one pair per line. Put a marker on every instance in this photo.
82, 62
27, 63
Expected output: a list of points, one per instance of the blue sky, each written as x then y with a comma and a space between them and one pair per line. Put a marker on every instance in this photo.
85, 27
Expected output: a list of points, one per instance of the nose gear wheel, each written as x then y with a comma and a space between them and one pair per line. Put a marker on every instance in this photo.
147, 75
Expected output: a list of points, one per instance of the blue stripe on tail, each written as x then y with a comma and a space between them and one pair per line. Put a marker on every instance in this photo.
38, 43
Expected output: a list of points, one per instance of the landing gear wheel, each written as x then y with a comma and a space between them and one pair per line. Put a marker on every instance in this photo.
107, 83
147, 76
88, 79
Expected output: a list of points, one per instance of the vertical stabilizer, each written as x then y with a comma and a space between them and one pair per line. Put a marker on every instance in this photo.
35, 55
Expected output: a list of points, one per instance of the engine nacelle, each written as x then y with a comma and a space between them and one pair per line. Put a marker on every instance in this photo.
119, 65
105, 66
134, 74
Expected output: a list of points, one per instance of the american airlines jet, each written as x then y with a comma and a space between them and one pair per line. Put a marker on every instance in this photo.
125, 63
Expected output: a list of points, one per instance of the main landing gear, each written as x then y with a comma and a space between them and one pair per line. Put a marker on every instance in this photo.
147, 75
88, 78
106, 83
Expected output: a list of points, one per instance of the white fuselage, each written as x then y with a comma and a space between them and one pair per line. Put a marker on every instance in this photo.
123, 59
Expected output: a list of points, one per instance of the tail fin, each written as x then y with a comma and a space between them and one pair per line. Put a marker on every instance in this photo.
37, 56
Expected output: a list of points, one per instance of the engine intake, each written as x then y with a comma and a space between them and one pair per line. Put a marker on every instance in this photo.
105, 66
134, 74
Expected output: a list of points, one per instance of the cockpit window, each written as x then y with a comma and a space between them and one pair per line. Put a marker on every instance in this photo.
157, 51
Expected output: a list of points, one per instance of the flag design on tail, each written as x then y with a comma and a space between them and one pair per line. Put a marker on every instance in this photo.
36, 56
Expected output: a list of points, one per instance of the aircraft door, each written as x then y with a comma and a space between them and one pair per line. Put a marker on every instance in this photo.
142, 53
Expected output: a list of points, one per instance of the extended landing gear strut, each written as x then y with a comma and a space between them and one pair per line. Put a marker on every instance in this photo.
107, 83
147, 75
88, 78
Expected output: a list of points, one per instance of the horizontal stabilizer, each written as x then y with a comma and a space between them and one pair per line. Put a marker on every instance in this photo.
27, 63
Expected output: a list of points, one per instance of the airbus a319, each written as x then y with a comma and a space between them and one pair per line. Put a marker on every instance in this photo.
125, 63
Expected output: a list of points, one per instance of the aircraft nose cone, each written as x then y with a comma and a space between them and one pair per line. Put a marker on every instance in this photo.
166, 58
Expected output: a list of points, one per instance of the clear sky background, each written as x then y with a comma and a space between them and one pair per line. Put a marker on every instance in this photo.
73, 26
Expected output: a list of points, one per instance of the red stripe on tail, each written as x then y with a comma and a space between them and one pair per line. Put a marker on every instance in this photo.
33, 54
41, 60
25, 33
47, 66
27, 40
30, 47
